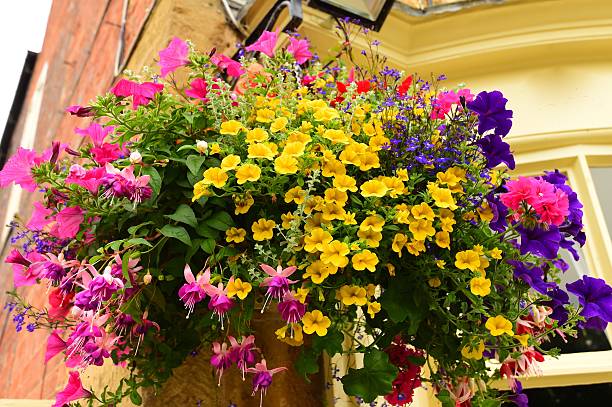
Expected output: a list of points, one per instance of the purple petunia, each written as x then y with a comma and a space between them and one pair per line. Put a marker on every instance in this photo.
492, 112
539, 241
595, 296
496, 151
532, 275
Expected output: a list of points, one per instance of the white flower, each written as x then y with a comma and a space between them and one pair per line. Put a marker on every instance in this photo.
201, 146
135, 157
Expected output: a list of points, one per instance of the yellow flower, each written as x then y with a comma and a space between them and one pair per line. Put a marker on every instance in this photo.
336, 136
261, 150
333, 168
415, 247
263, 229
200, 189
422, 211
238, 288
374, 222
395, 185
294, 339
301, 294
298, 136
247, 172
326, 114
317, 272
373, 308
371, 237
447, 224
235, 235
349, 218
231, 127
306, 126
335, 253
243, 203
317, 239
443, 240
523, 339
377, 142
421, 228
373, 188
480, 286
285, 165
440, 264
365, 260
230, 162
265, 115
295, 195
434, 282
294, 149
215, 148
473, 353
215, 176
399, 241
485, 212
334, 195
499, 325
368, 161
258, 135
279, 124
287, 219
345, 183
332, 211
443, 197
353, 294
313, 203
402, 174
467, 259
495, 253
390, 269
315, 321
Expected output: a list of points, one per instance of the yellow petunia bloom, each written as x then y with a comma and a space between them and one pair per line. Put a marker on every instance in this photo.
480, 286
333, 168
230, 162
345, 183
257, 135
421, 229
395, 185
215, 148
523, 339
422, 211
243, 203
440, 264
317, 272
261, 150
402, 174
215, 176
336, 136
443, 240
294, 338
313, 203
299, 137
238, 288
447, 224
374, 308
467, 259
365, 260
317, 240
315, 321
371, 237
279, 124
335, 253
235, 235
285, 165
434, 282
415, 247
485, 212
301, 294
495, 253
231, 127
334, 195
265, 115
349, 218
295, 195
287, 219
443, 198
373, 222
294, 149
368, 161
247, 172
326, 114
499, 325
473, 353
200, 189
332, 211
373, 188
263, 229
378, 142
399, 241
352, 294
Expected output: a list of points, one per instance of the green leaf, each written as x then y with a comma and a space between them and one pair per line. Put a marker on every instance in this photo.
194, 163
330, 343
445, 398
487, 403
176, 232
155, 182
184, 214
373, 380
125, 269
137, 241
155, 296
135, 397
208, 245
206, 231
220, 221
405, 300
307, 363
133, 229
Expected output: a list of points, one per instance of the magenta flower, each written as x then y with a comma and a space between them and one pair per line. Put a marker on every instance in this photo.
18, 169
231, 67
39, 220
220, 359
55, 345
263, 376
90, 179
277, 283
193, 291
553, 208
100, 348
299, 49
142, 93
198, 89
492, 113
127, 185
95, 132
219, 302
68, 222
174, 56
73, 391
106, 153
243, 353
291, 309
23, 272
103, 286
265, 43
80, 111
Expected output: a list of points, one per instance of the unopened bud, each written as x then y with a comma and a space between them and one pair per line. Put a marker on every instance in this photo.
147, 278
135, 157
201, 146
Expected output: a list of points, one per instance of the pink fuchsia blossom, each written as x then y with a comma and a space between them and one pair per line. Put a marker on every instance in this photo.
219, 302
68, 222
524, 365
55, 345
300, 49
174, 56
243, 353
231, 67
104, 285
73, 391
95, 132
38, 220
220, 359
80, 111
266, 43
60, 304
263, 376
18, 169
193, 291
198, 89
90, 179
291, 309
142, 93
277, 283
126, 185
100, 348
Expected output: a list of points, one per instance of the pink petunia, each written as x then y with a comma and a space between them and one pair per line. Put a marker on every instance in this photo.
80, 111
266, 43
174, 56
73, 391
142, 93
232, 68
39, 220
55, 345
198, 89
300, 49
89, 179
107, 153
68, 222
18, 169
96, 132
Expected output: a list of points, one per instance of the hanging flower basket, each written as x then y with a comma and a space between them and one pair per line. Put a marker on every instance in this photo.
359, 202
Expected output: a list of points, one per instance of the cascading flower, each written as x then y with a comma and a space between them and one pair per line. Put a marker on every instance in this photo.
262, 378
194, 290
277, 282
243, 353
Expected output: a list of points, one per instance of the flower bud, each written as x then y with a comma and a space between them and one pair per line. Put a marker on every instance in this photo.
135, 157
201, 146
147, 278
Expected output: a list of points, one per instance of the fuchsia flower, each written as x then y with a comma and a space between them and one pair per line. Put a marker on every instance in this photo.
232, 68
291, 309
73, 391
59, 304
142, 93
525, 365
277, 283
220, 359
266, 43
243, 353
174, 56
126, 185
219, 302
299, 49
103, 286
198, 89
99, 348
263, 377
95, 132
193, 291
89, 179
68, 222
